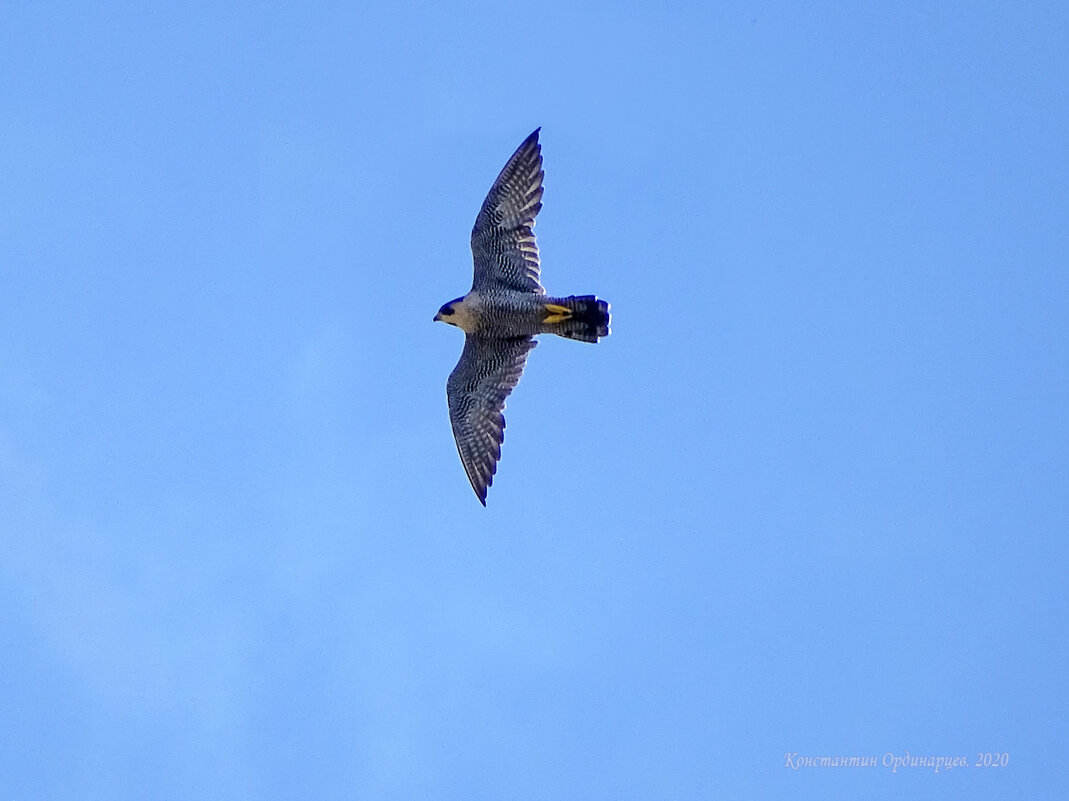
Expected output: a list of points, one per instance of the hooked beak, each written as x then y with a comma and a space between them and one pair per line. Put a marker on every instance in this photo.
437, 317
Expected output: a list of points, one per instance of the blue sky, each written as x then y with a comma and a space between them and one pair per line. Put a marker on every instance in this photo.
808, 498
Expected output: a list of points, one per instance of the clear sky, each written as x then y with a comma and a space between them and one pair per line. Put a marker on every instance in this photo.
810, 498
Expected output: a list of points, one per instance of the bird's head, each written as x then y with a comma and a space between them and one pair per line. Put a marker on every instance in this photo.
450, 312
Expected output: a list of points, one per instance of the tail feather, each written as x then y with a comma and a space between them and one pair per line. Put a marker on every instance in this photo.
590, 318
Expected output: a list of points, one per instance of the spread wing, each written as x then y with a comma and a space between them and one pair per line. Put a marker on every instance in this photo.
487, 372
502, 241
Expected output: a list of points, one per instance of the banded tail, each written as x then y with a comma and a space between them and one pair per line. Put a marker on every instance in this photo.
581, 317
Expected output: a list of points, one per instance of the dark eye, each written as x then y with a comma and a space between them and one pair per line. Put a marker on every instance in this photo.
447, 310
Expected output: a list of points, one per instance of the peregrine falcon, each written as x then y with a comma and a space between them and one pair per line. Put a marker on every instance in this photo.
505, 309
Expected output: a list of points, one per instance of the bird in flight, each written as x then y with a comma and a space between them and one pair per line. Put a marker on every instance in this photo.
504, 311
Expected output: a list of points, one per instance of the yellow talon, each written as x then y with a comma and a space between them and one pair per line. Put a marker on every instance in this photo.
556, 314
